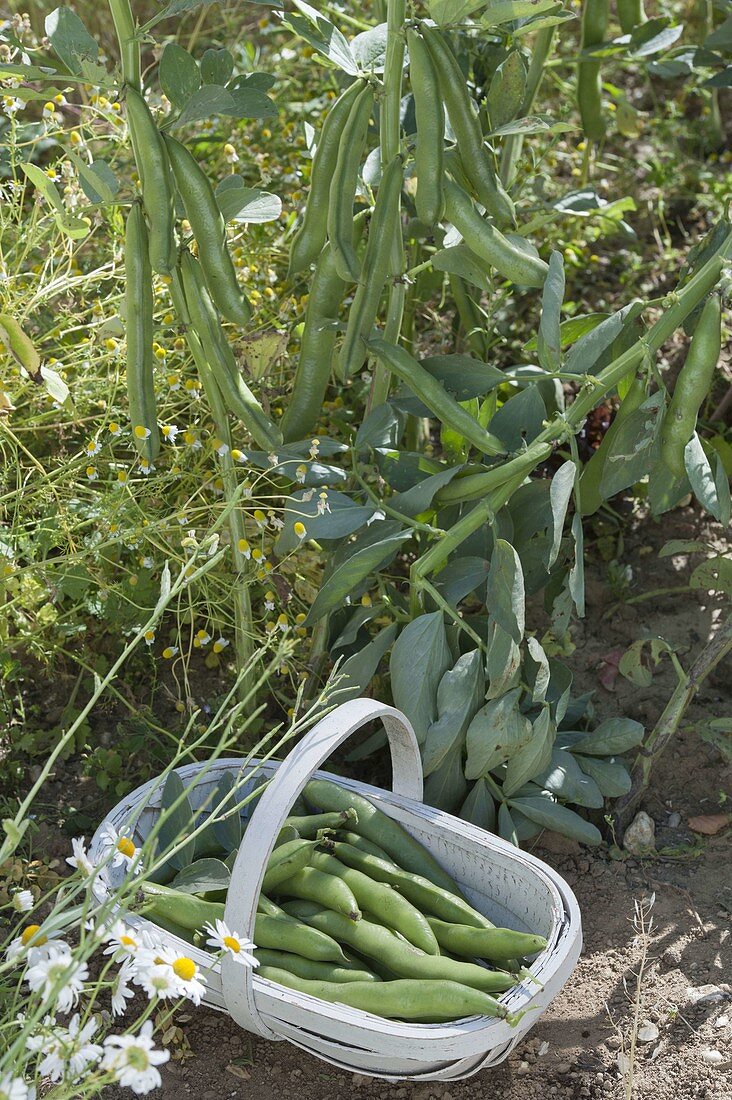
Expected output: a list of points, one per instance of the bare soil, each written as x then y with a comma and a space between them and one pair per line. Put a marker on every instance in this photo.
579, 1049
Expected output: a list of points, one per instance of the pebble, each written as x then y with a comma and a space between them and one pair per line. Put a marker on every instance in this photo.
543, 1049
648, 1033
706, 994
564, 1067
640, 836
523, 1067
712, 1057
674, 820
721, 1021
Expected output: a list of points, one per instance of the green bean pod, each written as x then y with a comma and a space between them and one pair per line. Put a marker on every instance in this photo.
434, 395
328, 890
317, 343
365, 845
396, 911
485, 943
139, 311
297, 938
153, 167
465, 123
589, 483
237, 395
301, 967
185, 910
209, 229
430, 118
312, 824
376, 269
381, 829
416, 888
309, 240
343, 186
421, 1001
692, 386
589, 77
489, 244
376, 942
286, 861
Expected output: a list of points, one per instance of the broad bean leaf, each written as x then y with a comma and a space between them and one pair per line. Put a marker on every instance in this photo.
505, 597
506, 91
419, 659
359, 670
203, 876
291, 465
463, 376
506, 11
506, 827
503, 661
611, 775
452, 11
457, 259
479, 807
571, 330
535, 756
550, 815
590, 348
703, 482
549, 337
322, 36
246, 205
536, 669
177, 824
446, 787
460, 693
611, 737
369, 49
71, 40
576, 578
631, 455
217, 66
71, 226
565, 778
228, 826
357, 620
560, 494
714, 575
381, 428
560, 686
419, 497
521, 419
461, 577
98, 181
342, 516
634, 664
179, 75
654, 36
359, 565
496, 734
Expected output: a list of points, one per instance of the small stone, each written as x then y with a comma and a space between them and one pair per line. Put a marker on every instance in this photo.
712, 1057
564, 1067
543, 1049
640, 836
706, 994
721, 1021
648, 1033
674, 820
523, 1067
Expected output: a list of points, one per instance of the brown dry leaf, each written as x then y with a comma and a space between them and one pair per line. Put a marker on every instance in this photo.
238, 1071
709, 824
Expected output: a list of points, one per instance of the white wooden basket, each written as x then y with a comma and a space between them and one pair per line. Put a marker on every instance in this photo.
511, 887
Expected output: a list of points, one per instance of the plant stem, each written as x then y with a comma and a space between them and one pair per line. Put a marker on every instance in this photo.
665, 728
129, 46
514, 142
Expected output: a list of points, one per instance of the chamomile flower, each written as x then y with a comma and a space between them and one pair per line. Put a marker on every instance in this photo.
141, 432
219, 447
220, 644
301, 473
58, 974
201, 638
223, 939
92, 448
23, 901
299, 529
134, 1060
80, 858
149, 637
169, 432
92, 473
244, 548
191, 983
269, 601
170, 652
15, 1088
114, 428
260, 519
155, 978
32, 942
70, 1050
121, 989
146, 467
124, 851
125, 941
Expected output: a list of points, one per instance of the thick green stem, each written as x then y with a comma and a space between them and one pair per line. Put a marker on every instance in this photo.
390, 140
129, 45
514, 142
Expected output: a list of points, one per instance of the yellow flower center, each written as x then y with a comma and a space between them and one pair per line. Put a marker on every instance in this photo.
127, 941
29, 934
184, 968
125, 846
232, 944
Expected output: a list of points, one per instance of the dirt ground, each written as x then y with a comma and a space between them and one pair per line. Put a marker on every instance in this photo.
682, 1007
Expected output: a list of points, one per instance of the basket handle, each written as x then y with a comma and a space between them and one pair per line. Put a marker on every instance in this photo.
269, 816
